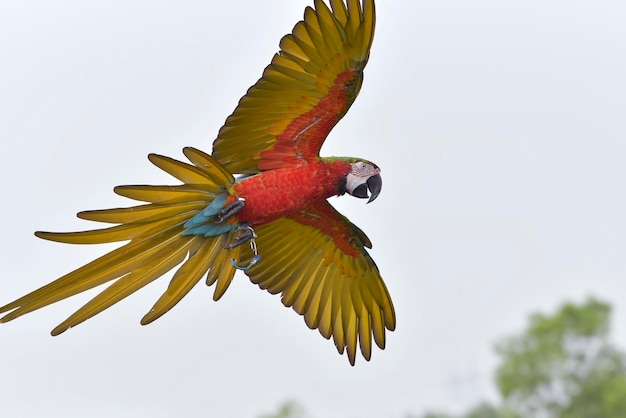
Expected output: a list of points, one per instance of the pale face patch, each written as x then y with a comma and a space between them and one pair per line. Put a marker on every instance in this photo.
357, 181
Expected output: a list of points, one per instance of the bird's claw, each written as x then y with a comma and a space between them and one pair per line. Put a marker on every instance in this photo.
229, 210
246, 234
252, 262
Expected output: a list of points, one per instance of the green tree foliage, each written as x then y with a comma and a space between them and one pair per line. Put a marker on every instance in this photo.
435, 415
288, 409
564, 366
483, 410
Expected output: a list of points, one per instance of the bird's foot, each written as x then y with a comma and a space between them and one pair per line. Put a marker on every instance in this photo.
229, 210
246, 234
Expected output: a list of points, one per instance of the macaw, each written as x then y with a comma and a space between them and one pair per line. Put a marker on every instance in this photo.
258, 203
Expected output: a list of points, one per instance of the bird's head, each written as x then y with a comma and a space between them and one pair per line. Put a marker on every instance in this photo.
363, 176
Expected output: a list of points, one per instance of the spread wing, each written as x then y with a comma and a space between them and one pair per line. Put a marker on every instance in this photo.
317, 260
307, 88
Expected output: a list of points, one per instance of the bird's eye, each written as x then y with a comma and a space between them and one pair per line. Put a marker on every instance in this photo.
362, 167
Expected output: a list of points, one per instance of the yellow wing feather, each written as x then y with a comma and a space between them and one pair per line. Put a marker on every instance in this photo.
325, 46
330, 280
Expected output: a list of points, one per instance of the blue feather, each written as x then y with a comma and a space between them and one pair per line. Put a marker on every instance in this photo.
207, 213
203, 223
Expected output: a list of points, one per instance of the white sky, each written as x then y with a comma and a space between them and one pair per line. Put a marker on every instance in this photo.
499, 127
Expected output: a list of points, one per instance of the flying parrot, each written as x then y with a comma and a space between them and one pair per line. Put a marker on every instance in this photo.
258, 203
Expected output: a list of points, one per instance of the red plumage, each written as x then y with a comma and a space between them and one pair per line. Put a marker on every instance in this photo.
272, 194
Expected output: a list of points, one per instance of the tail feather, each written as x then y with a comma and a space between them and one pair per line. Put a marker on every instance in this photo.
110, 266
187, 276
222, 271
162, 262
168, 194
142, 213
156, 245
116, 233
211, 167
184, 172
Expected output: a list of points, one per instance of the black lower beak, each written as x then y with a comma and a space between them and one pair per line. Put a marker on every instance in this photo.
374, 184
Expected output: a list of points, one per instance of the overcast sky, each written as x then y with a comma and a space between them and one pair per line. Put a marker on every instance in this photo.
500, 130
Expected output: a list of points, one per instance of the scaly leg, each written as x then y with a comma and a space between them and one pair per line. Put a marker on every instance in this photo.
246, 233
229, 210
